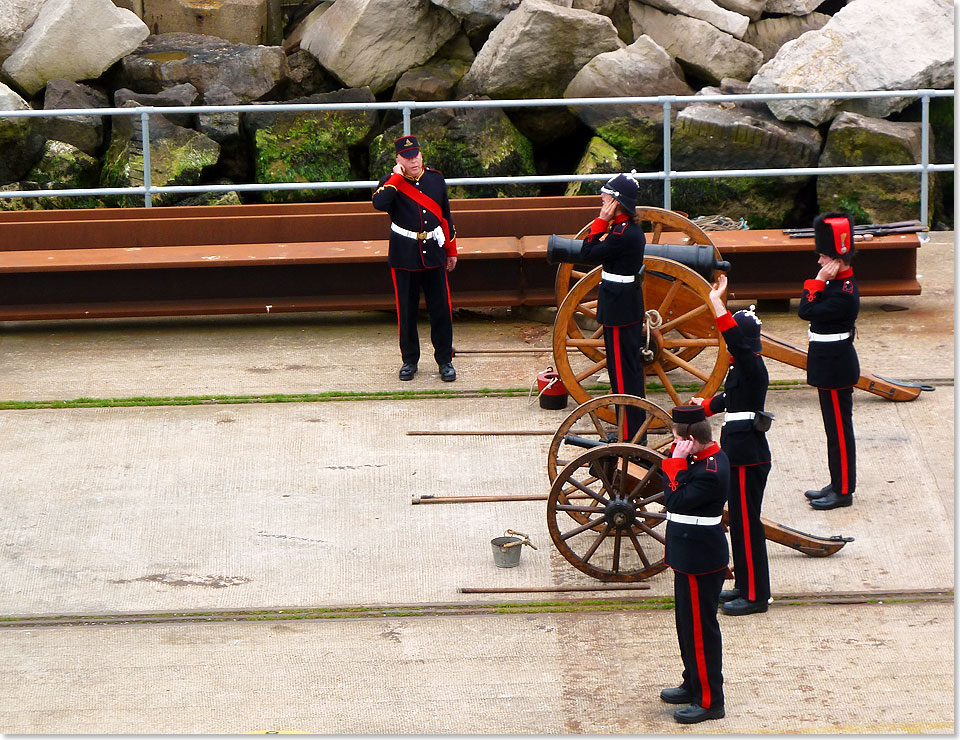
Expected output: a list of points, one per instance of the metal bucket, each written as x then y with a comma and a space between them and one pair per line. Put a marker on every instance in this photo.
506, 551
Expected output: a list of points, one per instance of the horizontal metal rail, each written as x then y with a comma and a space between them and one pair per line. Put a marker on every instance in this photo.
667, 174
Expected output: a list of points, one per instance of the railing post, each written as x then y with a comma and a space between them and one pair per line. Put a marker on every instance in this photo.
145, 138
666, 155
406, 120
924, 157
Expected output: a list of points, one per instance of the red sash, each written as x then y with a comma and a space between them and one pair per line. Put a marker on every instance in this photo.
427, 202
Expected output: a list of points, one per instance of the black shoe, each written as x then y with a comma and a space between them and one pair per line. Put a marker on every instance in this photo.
832, 500
407, 371
739, 607
678, 695
820, 493
447, 373
729, 595
695, 713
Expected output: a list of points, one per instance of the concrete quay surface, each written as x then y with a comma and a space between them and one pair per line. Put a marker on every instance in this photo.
273, 506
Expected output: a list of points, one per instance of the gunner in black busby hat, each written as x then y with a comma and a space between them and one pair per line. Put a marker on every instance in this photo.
616, 241
831, 302
696, 477
743, 439
423, 249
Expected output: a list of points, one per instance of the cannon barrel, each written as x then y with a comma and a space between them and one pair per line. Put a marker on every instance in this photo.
698, 257
587, 444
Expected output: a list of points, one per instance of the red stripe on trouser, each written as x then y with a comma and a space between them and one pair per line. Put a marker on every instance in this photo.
617, 364
446, 281
396, 296
844, 472
698, 643
751, 581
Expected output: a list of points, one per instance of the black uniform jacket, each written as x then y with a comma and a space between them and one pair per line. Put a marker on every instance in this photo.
745, 389
621, 253
407, 253
696, 486
832, 308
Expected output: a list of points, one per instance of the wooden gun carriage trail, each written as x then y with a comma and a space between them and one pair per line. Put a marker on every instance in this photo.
204, 260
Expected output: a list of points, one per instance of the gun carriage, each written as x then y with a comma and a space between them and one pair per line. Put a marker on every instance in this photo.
605, 509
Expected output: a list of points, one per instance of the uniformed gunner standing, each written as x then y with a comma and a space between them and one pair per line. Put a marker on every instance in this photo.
423, 249
696, 477
743, 439
616, 241
831, 302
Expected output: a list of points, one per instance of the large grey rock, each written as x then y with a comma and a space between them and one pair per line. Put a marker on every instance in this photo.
859, 141
769, 34
537, 50
435, 80
135, 6
370, 43
472, 142
73, 40
753, 9
641, 69
20, 139
705, 10
16, 16
867, 45
170, 59
237, 21
178, 156
83, 132
178, 95
713, 136
601, 7
307, 146
306, 77
479, 13
793, 7
700, 47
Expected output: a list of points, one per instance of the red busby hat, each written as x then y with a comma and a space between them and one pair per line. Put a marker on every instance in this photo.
688, 414
749, 324
833, 235
407, 146
624, 190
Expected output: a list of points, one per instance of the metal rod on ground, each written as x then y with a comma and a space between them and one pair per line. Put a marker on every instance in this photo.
551, 589
428, 499
492, 433
538, 350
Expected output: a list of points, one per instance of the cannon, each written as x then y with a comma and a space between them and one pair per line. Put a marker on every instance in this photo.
605, 511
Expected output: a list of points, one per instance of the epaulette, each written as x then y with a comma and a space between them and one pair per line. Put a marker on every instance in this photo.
847, 286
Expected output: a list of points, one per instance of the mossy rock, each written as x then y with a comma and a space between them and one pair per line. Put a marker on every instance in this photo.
639, 139
475, 142
65, 166
765, 202
44, 203
603, 159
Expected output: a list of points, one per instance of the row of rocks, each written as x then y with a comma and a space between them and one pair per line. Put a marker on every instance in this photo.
357, 51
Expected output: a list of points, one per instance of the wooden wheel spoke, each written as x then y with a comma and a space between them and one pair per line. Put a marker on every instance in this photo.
671, 391
641, 484
589, 491
595, 368
639, 548
590, 524
621, 422
577, 274
668, 298
692, 369
657, 232
581, 509
643, 429
653, 533
598, 424
596, 543
691, 314
616, 551
663, 444
605, 477
671, 342
598, 333
572, 342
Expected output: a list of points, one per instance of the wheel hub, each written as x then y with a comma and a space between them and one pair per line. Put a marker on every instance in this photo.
620, 513
655, 348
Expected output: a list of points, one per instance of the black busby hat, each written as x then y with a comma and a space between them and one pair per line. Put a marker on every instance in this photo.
833, 235
624, 190
688, 414
749, 324
407, 146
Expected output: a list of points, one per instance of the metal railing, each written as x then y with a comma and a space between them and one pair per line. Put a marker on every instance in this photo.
667, 174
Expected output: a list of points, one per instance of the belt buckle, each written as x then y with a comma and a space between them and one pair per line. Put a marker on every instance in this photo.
422, 235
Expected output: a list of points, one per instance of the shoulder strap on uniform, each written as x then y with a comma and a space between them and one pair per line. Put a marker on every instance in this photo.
427, 202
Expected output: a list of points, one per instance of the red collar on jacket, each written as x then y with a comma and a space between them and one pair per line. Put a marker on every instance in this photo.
706, 452
621, 218
845, 274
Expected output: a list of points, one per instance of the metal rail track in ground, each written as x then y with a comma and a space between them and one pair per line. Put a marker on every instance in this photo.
648, 603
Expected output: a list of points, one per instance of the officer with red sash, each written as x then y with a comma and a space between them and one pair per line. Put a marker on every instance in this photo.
743, 439
831, 302
696, 477
616, 241
423, 249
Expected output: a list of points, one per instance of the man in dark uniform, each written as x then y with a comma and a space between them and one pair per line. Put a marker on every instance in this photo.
616, 241
743, 439
695, 481
423, 249
831, 302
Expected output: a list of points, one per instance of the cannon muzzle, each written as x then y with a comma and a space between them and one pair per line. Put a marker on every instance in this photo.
563, 249
698, 257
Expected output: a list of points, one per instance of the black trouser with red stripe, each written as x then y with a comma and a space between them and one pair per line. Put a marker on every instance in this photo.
625, 367
436, 291
749, 544
836, 407
696, 598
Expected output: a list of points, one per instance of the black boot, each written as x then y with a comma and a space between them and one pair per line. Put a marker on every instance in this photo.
832, 500
739, 607
678, 695
819, 494
695, 713
729, 595
408, 370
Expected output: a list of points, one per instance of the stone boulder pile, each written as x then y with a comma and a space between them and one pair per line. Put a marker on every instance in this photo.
126, 54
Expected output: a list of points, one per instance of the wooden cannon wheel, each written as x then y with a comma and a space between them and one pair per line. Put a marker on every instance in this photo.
660, 220
605, 512
590, 421
687, 344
